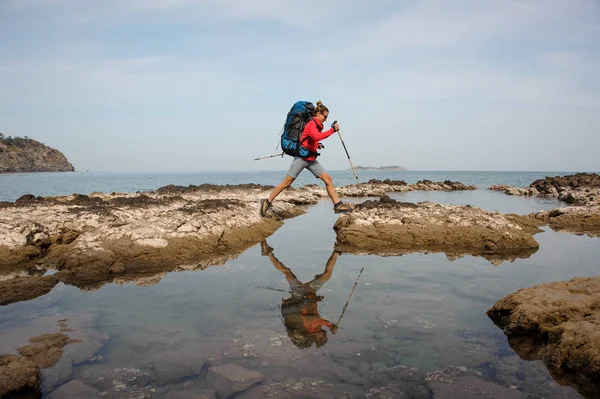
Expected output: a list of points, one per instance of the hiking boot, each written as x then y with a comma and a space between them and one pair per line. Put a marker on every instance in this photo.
342, 207
264, 207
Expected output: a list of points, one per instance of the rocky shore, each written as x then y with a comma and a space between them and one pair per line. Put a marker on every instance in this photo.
22, 154
390, 227
558, 323
377, 188
581, 193
582, 189
89, 240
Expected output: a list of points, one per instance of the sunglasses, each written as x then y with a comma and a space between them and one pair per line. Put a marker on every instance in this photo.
325, 115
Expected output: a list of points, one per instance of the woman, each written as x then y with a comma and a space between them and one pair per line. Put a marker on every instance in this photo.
311, 137
300, 312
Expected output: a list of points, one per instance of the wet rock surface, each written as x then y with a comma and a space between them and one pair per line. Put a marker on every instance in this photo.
22, 373
574, 219
376, 188
558, 323
230, 379
391, 227
74, 390
91, 240
581, 189
98, 238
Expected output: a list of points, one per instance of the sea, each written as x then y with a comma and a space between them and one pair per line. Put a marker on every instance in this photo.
420, 314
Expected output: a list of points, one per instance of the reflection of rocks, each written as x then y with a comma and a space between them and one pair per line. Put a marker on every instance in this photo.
25, 288
391, 227
558, 323
575, 219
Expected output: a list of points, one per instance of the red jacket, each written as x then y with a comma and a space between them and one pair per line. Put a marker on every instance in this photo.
313, 133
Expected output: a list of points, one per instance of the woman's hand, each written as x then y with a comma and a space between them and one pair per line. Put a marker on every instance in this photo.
335, 126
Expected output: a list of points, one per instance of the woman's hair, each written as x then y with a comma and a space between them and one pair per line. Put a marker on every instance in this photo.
320, 108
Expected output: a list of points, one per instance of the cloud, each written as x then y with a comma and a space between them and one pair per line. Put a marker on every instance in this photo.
89, 70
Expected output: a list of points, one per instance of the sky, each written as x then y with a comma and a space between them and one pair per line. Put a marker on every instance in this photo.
205, 85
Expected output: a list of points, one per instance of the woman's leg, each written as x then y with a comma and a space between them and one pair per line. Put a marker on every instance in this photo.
326, 177
286, 182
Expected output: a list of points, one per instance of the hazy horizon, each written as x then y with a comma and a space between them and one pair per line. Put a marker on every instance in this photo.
205, 85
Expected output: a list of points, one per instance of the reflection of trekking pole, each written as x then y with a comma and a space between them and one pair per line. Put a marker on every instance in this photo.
348, 301
339, 134
270, 156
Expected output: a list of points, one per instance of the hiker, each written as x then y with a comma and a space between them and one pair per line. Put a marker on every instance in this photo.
311, 136
300, 313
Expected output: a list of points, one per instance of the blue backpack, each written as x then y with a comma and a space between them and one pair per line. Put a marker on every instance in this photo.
300, 114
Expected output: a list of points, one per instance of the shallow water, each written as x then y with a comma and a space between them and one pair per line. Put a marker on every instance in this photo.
418, 311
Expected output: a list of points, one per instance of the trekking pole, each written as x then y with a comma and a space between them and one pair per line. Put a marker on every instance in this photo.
270, 156
344, 144
348, 301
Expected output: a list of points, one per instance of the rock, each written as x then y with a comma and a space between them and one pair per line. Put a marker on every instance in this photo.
17, 374
529, 377
57, 375
173, 366
573, 219
143, 231
377, 188
519, 191
18, 154
117, 268
392, 227
188, 394
74, 390
577, 181
581, 189
558, 323
342, 373
364, 369
471, 388
230, 379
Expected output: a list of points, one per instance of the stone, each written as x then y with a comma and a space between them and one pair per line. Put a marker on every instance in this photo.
230, 379
173, 366
472, 388
389, 227
74, 390
17, 373
558, 323
189, 394
57, 375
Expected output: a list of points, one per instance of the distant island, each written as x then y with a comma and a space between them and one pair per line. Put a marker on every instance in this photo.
22, 154
394, 167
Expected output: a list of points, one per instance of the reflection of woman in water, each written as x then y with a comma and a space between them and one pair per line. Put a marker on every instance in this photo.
301, 317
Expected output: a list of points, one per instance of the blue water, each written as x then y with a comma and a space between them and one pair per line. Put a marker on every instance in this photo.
12, 186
